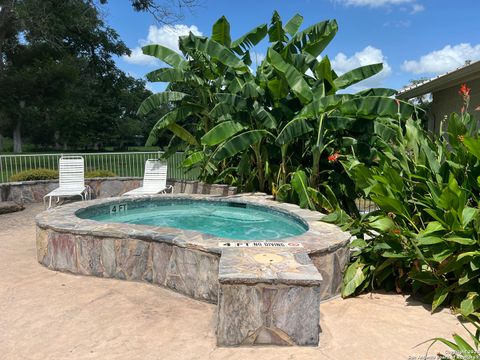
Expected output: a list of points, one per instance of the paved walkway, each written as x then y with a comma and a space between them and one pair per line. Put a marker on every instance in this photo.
50, 315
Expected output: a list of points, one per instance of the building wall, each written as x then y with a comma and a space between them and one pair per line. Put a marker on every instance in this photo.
448, 100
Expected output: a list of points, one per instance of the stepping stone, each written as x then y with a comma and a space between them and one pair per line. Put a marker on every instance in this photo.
267, 297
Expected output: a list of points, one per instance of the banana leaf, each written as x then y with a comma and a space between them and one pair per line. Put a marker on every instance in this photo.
165, 54
156, 100
221, 32
221, 132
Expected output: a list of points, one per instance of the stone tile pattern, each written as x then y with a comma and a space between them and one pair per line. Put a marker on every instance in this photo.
268, 315
190, 272
34, 191
267, 265
267, 297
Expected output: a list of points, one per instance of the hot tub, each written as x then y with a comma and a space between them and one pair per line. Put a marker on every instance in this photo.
176, 240
225, 219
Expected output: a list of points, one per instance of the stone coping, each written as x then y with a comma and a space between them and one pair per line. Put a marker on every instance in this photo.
319, 238
267, 266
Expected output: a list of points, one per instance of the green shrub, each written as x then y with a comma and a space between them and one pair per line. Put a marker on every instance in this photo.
99, 174
49, 174
424, 239
35, 174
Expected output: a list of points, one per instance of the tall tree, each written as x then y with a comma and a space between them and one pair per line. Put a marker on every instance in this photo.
58, 80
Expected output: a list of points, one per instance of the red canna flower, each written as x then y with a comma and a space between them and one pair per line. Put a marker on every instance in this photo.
334, 157
464, 90
396, 231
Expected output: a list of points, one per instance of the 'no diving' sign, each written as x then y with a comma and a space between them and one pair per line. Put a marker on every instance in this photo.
269, 244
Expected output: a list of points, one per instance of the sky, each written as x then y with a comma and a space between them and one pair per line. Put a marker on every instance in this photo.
412, 38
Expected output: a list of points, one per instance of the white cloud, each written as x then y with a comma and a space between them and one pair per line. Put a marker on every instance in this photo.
370, 55
373, 3
443, 60
398, 24
166, 35
138, 58
415, 7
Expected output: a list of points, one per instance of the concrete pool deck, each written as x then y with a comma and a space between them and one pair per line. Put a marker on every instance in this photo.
52, 315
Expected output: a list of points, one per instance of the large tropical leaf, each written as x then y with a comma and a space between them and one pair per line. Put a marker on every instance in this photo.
353, 278
294, 78
171, 117
294, 129
183, 134
221, 132
233, 100
356, 75
194, 158
278, 88
473, 146
252, 38
303, 61
264, 117
338, 122
239, 143
377, 92
221, 32
213, 49
314, 39
156, 100
221, 110
165, 54
374, 106
252, 90
292, 26
235, 84
166, 75
323, 72
275, 31
227, 105
320, 106
300, 185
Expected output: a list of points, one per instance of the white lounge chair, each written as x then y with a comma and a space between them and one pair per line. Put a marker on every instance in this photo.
154, 179
71, 180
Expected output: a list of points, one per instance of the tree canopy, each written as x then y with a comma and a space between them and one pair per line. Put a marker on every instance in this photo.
59, 83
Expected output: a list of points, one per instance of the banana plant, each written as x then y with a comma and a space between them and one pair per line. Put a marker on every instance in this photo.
258, 126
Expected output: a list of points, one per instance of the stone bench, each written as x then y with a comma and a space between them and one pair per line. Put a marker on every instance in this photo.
267, 297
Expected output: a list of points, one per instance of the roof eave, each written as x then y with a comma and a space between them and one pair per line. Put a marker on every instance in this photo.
469, 72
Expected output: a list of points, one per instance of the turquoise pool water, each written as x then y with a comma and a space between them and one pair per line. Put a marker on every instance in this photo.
223, 219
